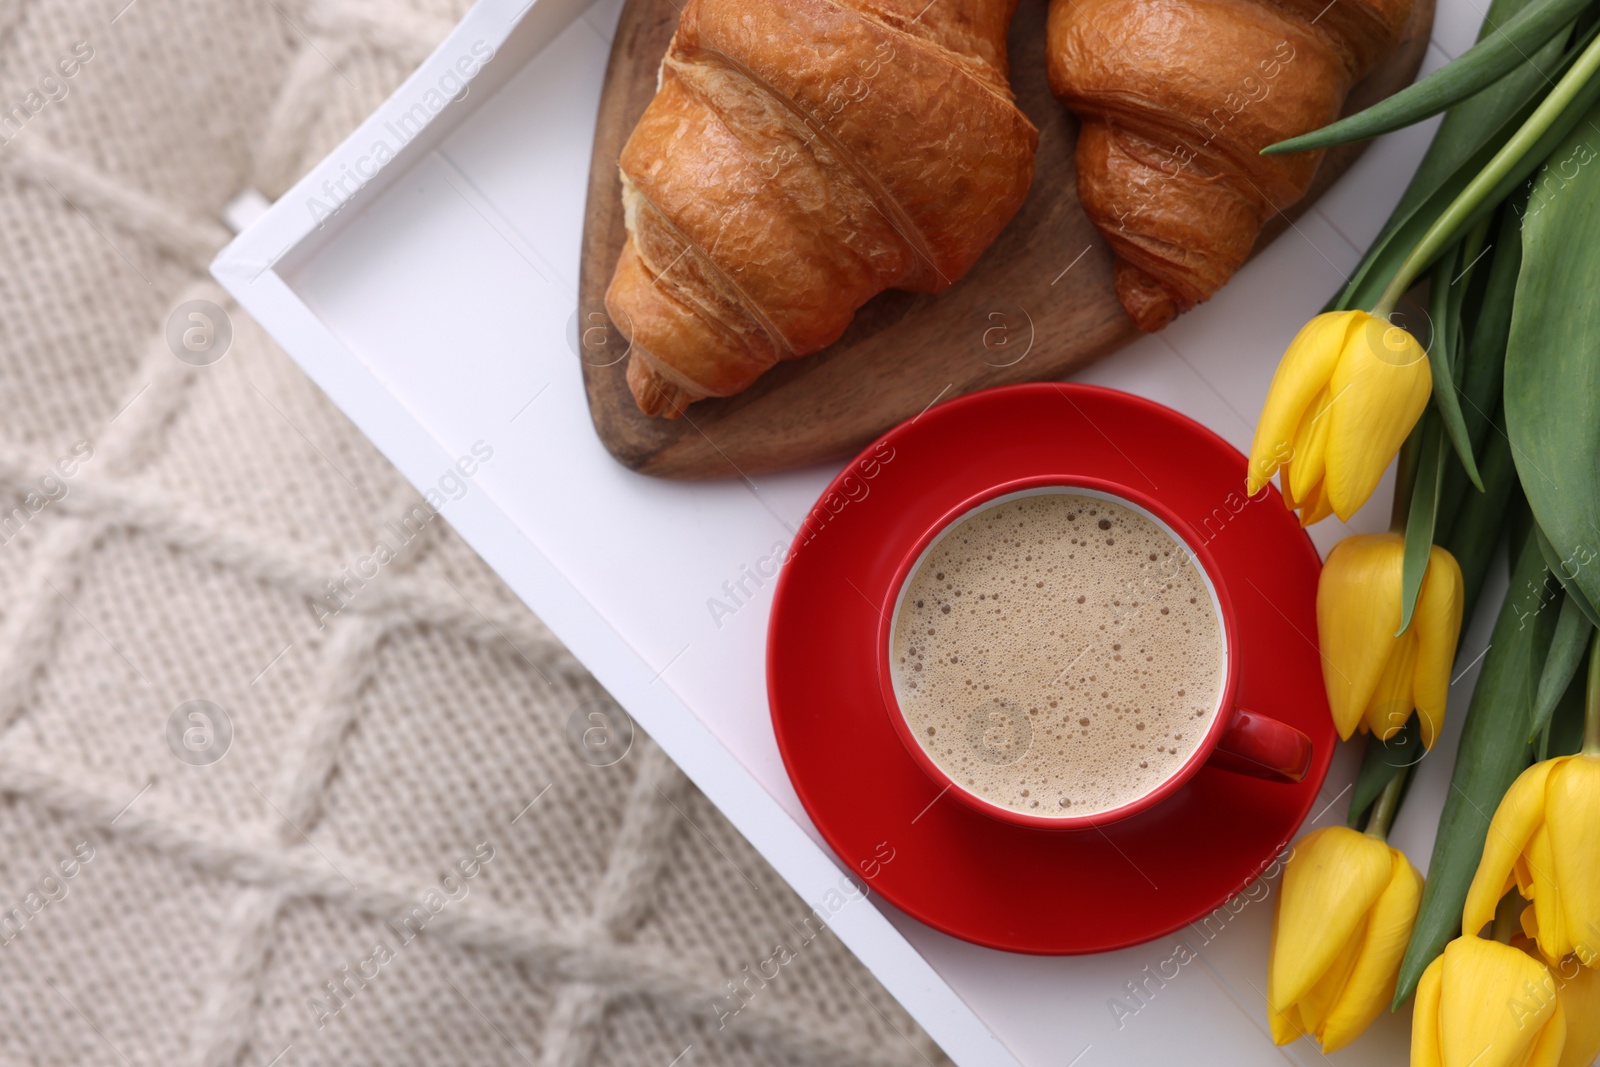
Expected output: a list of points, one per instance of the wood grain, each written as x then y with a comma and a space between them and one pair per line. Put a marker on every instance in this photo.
1016, 317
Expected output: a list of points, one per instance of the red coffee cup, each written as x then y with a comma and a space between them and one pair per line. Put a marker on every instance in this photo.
1237, 740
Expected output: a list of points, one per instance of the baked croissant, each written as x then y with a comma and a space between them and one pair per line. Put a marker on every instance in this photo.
800, 157
1176, 99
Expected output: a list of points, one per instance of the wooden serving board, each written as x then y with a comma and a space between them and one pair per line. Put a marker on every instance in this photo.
1019, 315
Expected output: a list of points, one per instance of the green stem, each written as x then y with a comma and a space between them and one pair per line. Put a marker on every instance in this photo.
1445, 228
1384, 808
1591, 706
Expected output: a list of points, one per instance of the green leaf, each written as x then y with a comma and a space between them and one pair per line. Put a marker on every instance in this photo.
1406, 464
1552, 386
1486, 347
1380, 763
1493, 751
1472, 132
1475, 529
1560, 566
1496, 54
1469, 278
1567, 646
1485, 354
1443, 349
1564, 733
1420, 518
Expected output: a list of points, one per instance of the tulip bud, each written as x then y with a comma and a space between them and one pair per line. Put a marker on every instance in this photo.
1345, 912
1346, 393
1485, 1004
1545, 839
1373, 678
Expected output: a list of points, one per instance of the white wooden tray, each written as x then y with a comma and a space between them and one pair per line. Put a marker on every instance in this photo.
436, 308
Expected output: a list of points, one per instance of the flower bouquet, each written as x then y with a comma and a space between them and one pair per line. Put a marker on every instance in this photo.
1487, 387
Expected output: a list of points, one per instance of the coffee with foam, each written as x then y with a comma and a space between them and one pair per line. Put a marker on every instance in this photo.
1057, 653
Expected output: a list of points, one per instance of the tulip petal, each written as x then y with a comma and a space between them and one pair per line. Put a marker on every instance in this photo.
1392, 700
1522, 878
1425, 1051
1529, 921
1314, 508
1578, 989
1309, 442
1358, 611
1317, 507
1379, 388
1329, 885
1437, 624
1306, 366
1572, 822
1520, 813
1323, 996
1286, 1024
1547, 1050
1494, 1003
1370, 986
1549, 903
1286, 485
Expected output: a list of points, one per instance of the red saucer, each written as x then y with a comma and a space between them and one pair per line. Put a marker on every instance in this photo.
971, 876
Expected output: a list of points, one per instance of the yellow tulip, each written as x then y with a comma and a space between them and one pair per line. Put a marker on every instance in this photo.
1545, 839
1345, 395
1344, 916
1373, 678
1485, 1004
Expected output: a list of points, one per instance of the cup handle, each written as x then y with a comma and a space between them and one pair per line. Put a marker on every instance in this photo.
1261, 747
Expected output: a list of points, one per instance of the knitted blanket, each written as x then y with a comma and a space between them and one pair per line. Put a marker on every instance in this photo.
287, 776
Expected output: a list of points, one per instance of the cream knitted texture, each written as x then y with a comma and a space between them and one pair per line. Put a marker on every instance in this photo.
401, 858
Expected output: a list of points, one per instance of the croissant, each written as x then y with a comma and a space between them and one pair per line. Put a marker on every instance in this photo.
800, 157
1176, 98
